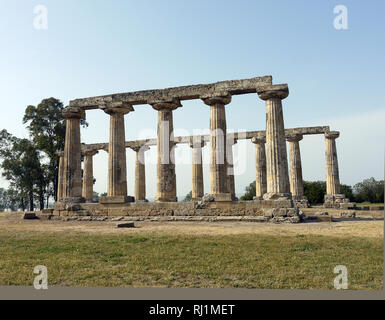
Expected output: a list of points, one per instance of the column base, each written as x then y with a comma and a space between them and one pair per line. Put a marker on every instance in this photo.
116, 199
277, 196
141, 201
301, 201
223, 197
169, 199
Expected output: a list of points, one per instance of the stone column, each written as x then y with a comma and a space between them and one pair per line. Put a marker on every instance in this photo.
60, 175
117, 170
72, 171
296, 181
218, 165
278, 186
166, 177
333, 192
88, 175
260, 166
197, 170
230, 169
140, 173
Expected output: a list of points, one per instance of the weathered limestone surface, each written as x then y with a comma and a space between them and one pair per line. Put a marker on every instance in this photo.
278, 186
218, 165
230, 168
333, 197
88, 175
260, 166
233, 87
140, 173
166, 177
117, 171
197, 169
296, 180
72, 175
60, 175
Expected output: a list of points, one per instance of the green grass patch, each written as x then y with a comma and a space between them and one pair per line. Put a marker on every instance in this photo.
159, 260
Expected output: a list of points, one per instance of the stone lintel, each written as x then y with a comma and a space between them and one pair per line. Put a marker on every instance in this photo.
233, 87
206, 138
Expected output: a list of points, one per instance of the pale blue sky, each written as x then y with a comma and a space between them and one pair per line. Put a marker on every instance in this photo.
336, 77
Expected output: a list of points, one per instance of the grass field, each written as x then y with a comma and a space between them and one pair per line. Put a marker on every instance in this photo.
369, 204
151, 259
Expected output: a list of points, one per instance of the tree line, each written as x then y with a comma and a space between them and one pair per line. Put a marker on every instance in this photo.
368, 190
30, 165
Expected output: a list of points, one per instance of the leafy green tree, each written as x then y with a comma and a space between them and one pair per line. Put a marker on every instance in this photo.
21, 167
188, 197
46, 126
347, 191
315, 191
249, 192
369, 190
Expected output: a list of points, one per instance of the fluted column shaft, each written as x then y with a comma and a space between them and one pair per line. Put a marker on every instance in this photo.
60, 176
166, 177
218, 164
88, 176
296, 180
140, 173
117, 167
197, 170
260, 166
332, 173
278, 185
230, 168
72, 171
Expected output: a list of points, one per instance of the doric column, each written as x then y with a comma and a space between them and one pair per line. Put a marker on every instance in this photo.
260, 166
117, 170
197, 169
332, 174
218, 165
166, 177
230, 168
140, 173
60, 175
278, 186
88, 175
296, 181
72, 171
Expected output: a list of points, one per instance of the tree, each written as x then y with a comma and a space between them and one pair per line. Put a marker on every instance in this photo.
250, 192
188, 197
46, 126
21, 167
369, 190
347, 191
314, 191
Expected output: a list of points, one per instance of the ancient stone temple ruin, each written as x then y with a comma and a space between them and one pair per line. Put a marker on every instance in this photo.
279, 184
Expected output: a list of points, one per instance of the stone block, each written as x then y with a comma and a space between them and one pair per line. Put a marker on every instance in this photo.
30, 215
223, 197
129, 224
116, 199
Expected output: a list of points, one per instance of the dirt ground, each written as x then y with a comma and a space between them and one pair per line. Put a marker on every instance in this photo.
368, 224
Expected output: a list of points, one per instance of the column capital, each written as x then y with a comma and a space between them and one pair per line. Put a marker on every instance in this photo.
89, 152
60, 153
212, 100
332, 135
197, 144
138, 148
166, 105
280, 91
294, 137
258, 140
73, 113
117, 108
